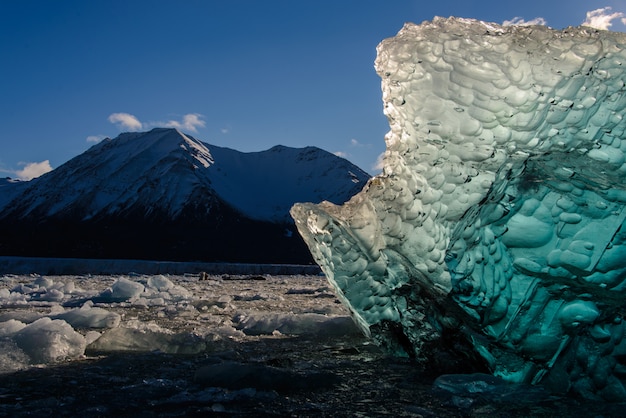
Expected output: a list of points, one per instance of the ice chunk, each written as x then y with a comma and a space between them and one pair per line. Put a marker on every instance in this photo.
89, 317
292, 324
10, 298
160, 283
11, 357
494, 233
10, 327
147, 340
43, 282
122, 290
47, 340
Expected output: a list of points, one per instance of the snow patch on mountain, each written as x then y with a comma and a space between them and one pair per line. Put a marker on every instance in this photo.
9, 188
264, 185
166, 171
157, 169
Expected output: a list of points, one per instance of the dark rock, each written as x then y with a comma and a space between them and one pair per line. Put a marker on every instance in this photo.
233, 375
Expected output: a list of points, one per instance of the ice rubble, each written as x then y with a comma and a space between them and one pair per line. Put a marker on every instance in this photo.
494, 231
52, 319
30, 337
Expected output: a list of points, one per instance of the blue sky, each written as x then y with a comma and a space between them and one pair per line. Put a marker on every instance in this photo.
245, 74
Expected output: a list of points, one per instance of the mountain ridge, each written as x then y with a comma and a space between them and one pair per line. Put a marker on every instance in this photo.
166, 186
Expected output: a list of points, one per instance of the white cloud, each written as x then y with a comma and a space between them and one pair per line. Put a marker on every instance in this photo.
602, 18
125, 121
518, 21
356, 144
191, 122
379, 162
341, 154
32, 170
95, 138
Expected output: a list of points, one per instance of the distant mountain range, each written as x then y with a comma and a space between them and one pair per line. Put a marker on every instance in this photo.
164, 195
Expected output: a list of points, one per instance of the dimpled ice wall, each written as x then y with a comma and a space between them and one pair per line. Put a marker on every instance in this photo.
497, 217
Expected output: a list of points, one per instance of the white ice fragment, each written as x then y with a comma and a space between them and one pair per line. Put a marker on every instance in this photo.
160, 283
8, 297
12, 358
44, 282
162, 288
10, 327
47, 341
179, 293
90, 317
69, 287
52, 295
122, 290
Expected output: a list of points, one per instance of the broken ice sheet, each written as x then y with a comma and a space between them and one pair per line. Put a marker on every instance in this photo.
101, 315
494, 233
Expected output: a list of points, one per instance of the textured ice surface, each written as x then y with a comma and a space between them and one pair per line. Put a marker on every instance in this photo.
494, 232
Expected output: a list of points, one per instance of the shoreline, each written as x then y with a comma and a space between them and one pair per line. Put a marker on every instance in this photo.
48, 266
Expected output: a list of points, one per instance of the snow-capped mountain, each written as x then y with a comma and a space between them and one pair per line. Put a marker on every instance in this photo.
155, 171
174, 190
264, 185
9, 188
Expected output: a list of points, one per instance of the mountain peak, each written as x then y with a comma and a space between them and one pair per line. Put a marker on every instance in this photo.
265, 184
166, 182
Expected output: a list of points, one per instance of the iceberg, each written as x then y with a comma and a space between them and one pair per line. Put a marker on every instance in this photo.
493, 235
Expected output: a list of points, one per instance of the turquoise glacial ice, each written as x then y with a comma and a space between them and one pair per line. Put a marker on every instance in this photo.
494, 233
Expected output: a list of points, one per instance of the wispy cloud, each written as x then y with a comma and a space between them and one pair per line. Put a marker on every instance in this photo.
603, 18
355, 149
518, 21
378, 166
125, 121
33, 170
355, 143
95, 138
191, 122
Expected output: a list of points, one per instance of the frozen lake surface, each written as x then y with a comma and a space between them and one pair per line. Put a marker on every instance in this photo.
219, 345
